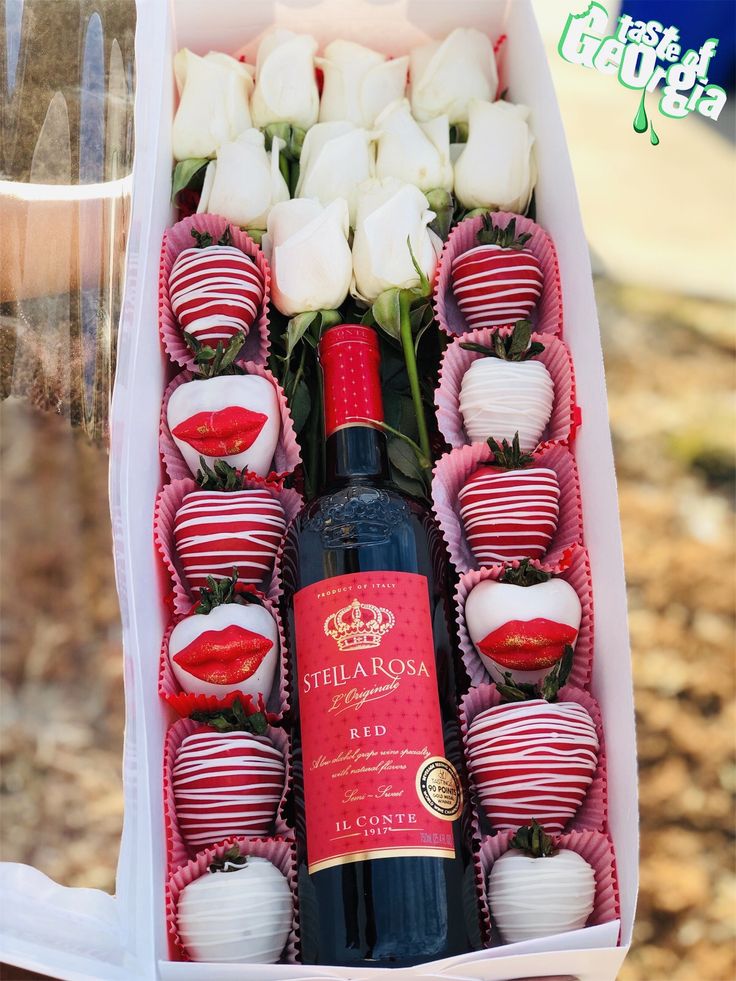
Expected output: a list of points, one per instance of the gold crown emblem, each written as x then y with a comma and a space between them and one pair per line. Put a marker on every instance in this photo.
359, 626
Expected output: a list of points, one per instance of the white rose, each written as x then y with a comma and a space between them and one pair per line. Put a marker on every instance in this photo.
389, 212
445, 75
307, 245
213, 102
335, 158
359, 82
416, 153
245, 181
286, 89
497, 167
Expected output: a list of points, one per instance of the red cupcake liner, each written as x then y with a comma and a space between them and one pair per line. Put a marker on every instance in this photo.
453, 469
167, 504
546, 317
593, 813
184, 703
287, 455
178, 852
574, 568
556, 358
277, 851
178, 238
597, 850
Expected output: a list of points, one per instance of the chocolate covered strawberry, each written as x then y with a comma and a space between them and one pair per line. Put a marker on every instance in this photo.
227, 780
532, 756
509, 509
499, 281
225, 527
228, 643
537, 889
523, 621
506, 392
231, 417
216, 290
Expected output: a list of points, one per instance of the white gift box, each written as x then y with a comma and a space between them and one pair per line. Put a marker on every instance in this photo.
84, 933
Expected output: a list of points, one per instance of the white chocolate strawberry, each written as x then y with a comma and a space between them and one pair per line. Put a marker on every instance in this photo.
505, 392
535, 890
522, 622
238, 912
234, 418
225, 645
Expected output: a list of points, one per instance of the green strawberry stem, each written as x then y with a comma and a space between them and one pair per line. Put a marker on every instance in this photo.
509, 457
204, 239
220, 476
548, 688
213, 362
533, 841
407, 345
220, 592
505, 238
233, 719
515, 346
525, 575
231, 857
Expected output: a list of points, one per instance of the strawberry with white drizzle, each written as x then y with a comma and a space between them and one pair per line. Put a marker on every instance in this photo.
506, 392
226, 527
537, 890
522, 621
499, 281
216, 290
228, 643
532, 756
227, 780
509, 509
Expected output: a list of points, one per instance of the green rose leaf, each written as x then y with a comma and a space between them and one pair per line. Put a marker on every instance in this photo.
188, 174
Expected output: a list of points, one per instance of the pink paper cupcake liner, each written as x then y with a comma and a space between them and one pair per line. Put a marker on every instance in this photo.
287, 456
556, 358
280, 853
176, 240
546, 317
167, 504
593, 813
453, 469
574, 568
597, 850
184, 703
178, 852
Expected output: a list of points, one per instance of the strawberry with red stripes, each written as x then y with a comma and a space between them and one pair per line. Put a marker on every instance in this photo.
216, 290
509, 509
224, 527
499, 281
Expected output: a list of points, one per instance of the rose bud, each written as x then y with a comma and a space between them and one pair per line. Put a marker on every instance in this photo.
417, 153
244, 182
358, 83
497, 167
336, 158
307, 246
389, 213
286, 87
446, 75
213, 102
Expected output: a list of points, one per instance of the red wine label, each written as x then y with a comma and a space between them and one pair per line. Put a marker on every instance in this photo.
350, 359
376, 781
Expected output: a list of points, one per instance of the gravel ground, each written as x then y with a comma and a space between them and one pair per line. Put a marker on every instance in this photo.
673, 421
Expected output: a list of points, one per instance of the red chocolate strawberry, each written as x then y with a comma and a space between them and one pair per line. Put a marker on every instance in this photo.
216, 290
229, 642
509, 512
498, 281
223, 528
227, 782
532, 757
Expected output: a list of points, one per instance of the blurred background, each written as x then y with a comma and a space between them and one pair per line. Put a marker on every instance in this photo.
661, 223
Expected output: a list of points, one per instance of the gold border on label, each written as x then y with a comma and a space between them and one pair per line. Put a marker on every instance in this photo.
438, 813
417, 852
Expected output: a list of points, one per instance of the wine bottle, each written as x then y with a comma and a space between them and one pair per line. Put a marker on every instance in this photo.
383, 876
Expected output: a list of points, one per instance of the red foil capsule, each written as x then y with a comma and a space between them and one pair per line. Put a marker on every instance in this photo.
350, 359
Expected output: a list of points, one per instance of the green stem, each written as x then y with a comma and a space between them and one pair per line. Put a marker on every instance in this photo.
299, 373
407, 343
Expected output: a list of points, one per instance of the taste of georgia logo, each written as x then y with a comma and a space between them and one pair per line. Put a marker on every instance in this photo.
359, 626
647, 57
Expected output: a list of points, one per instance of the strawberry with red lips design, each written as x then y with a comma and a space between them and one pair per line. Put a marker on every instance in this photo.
523, 621
229, 642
